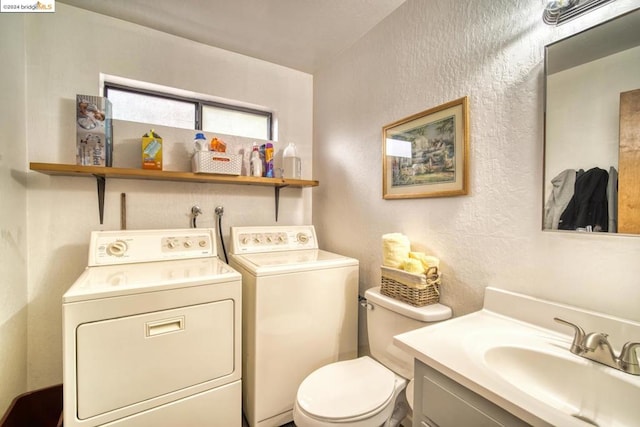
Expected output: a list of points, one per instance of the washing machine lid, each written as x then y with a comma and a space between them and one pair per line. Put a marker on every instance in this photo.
346, 389
292, 261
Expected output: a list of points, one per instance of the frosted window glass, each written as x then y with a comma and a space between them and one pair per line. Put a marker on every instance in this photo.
136, 107
233, 122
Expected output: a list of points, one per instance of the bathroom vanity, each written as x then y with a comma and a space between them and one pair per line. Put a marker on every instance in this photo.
510, 364
440, 401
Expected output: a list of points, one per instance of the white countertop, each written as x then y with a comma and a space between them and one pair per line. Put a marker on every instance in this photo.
457, 347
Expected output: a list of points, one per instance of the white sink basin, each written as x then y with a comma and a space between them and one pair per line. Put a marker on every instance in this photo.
514, 355
585, 390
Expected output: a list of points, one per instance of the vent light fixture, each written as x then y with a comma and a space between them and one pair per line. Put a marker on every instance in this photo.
558, 12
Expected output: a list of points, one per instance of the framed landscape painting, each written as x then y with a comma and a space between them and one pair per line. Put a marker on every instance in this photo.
427, 154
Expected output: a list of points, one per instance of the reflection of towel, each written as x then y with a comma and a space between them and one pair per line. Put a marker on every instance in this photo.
395, 249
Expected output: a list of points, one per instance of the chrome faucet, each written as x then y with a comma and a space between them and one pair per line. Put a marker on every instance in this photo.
595, 346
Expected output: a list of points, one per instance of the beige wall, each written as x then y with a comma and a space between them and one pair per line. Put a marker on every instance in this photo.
66, 53
426, 53
13, 220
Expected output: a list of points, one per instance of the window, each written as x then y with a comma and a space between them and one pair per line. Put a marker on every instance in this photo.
154, 109
220, 118
139, 105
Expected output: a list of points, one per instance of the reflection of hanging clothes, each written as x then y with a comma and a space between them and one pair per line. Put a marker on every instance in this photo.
588, 206
612, 197
561, 194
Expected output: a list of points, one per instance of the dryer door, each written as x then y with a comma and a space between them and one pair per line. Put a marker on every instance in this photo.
126, 360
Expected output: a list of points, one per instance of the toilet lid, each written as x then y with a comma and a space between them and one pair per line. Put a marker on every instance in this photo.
346, 389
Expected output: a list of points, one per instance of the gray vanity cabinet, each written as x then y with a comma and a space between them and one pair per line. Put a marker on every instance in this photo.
441, 402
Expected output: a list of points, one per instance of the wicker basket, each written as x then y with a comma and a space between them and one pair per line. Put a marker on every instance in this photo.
414, 289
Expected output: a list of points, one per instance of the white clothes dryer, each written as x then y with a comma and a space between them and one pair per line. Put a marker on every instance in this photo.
152, 333
300, 312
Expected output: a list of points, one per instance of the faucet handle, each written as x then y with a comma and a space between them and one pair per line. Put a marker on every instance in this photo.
578, 338
628, 353
629, 358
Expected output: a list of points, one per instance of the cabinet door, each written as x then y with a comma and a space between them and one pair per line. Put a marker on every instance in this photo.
445, 403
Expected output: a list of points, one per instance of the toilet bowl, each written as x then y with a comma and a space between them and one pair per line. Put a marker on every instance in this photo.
358, 392
367, 392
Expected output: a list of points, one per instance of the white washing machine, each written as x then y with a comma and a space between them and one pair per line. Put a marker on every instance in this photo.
300, 312
152, 333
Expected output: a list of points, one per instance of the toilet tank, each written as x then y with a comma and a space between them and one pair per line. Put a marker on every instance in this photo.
387, 317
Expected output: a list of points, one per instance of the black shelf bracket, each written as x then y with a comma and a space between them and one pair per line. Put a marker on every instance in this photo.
277, 197
101, 181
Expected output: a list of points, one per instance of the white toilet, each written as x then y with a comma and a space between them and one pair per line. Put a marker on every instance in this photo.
365, 392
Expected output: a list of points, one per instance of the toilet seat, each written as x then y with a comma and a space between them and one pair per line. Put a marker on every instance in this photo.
409, 392
360, 388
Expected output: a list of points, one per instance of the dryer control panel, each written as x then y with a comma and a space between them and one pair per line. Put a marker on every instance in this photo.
246, 240
131, 246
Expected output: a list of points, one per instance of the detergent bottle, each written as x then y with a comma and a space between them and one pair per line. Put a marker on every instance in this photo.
291, 164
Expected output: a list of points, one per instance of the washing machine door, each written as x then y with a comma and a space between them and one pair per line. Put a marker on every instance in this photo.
347, 389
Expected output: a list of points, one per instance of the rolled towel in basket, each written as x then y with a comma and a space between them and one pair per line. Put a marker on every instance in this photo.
395, 249
412, 265
426, 260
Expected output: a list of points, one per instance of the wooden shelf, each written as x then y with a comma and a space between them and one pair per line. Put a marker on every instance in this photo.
156, 175
102, 173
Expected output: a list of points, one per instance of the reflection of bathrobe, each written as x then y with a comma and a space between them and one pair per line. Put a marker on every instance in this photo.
612, 196
561, 194
588, 206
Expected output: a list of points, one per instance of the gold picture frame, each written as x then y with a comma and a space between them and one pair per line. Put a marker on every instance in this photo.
427, 154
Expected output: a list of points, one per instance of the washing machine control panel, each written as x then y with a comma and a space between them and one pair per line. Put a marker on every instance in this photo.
184, 243
272, 239
130, 246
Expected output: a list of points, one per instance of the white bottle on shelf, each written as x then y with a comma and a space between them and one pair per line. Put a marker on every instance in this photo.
200, 142
256, 162
291, 164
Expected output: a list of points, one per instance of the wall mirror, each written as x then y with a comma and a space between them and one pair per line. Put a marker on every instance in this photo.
592, 129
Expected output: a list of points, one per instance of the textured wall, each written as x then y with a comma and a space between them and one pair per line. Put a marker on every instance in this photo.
66, 54
13, 221
426, 53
